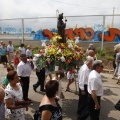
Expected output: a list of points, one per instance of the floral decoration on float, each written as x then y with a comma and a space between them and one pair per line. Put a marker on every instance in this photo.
63, 55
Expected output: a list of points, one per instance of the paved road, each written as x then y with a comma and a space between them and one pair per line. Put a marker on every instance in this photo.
69, 104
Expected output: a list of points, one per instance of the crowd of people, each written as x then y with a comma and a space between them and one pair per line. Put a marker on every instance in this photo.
15, 85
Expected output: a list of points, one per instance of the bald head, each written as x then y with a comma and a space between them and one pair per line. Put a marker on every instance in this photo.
2, 95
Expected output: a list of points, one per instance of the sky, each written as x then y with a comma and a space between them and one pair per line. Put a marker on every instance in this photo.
10, 9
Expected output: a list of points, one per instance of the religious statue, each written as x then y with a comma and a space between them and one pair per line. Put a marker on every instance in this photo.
61, 28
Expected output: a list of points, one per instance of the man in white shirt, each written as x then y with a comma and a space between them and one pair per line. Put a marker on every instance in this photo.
95, 90
83, 81
24, 72
2, 107
10, 52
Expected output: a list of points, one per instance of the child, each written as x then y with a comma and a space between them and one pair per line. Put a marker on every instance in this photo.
16, 59
29, 52
58, 78
70, 77
5, 80
47, 72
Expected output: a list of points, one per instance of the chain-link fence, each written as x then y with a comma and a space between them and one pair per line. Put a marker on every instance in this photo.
32, 28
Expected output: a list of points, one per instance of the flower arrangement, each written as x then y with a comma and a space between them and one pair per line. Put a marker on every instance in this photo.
66, 55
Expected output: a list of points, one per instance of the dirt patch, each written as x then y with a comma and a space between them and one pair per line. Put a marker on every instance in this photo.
107, 64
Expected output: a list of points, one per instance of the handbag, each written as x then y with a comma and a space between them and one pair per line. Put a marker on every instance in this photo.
117, 105
37, 115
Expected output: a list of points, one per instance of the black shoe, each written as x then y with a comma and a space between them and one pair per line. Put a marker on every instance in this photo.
28, 99
42, 90
34, 88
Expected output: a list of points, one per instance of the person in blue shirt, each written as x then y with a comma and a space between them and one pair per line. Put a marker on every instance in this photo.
4, 55
1, 42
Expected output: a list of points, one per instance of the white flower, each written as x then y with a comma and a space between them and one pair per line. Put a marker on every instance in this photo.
70, 45
46, 50
62, 59
69, 41
77, 40
59, 51
45, 54
43, 44
37, 55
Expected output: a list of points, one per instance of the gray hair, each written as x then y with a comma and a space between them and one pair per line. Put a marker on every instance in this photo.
96, 63
90, 45
89, 59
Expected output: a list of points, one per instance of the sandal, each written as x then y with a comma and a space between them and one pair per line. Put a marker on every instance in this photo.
67, 90
117, 82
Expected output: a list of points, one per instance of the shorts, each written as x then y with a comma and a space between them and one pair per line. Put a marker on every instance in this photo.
70, 76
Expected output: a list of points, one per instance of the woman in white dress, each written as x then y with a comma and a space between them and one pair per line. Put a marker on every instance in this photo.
13, 98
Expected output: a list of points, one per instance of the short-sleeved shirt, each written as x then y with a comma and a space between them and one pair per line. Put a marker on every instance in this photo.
28, 53
70, 75
83, 76
22, 50
5, 81
56, 111
17, 96
24, 69
3, 51
10, 48
95, 83
0, 49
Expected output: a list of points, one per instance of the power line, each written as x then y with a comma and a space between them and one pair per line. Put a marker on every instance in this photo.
80, 5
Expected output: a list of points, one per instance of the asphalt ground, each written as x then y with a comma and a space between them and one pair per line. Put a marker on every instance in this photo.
69, 104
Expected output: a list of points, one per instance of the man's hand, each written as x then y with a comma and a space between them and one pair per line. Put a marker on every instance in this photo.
37, 70
97, 106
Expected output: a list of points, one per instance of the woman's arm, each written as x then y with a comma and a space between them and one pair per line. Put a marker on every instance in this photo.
23, 103
46, 115
10, 105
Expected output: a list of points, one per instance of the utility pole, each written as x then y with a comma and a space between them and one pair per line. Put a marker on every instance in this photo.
113, 18
22, 30
57, 13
